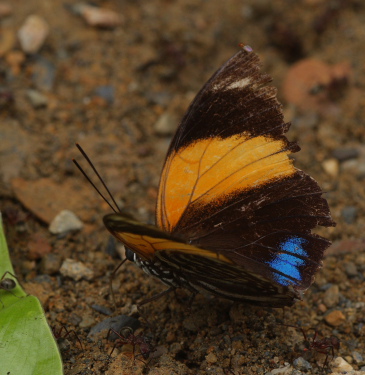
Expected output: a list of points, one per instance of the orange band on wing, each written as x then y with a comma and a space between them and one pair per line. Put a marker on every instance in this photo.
147, 246
212, 169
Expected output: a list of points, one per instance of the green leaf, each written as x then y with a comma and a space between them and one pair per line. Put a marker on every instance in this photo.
27, 345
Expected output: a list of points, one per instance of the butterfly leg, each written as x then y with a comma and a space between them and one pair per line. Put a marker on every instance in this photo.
191, 300
157, 296
111, 281
151, 299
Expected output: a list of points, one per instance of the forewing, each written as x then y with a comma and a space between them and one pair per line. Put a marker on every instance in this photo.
231, 138
147, 240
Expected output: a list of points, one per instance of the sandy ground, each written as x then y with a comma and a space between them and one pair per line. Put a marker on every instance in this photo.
120, 92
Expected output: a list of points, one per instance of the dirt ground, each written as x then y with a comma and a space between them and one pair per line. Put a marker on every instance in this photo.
120, 92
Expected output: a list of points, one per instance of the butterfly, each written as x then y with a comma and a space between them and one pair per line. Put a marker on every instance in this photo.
234, 216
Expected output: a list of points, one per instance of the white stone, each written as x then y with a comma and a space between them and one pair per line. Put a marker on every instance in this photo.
340, 365
37, 99
33, 33
165, 124
64, 222
331, 167
98, 17
76, 270
286, 370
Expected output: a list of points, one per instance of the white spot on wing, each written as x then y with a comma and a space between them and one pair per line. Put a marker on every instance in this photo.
239, 84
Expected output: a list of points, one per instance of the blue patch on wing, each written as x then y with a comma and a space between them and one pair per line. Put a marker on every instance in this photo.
288, 263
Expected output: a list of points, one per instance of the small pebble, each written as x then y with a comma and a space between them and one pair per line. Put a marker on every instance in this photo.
331, 167
51, 263
171, 337
28, 265
74, 319
175, 348
102, 309
211, 358
286, 370
342, 154
301, 364
76, 270
354, 166
340, 365
106, 92
87, 321
43, 279
166, 124
64, 222
161, 98
307, 120
349, 214
63, 344
351, 269
33, 34
37, 99
195, 324
97, 17
247, 11
331, 296
359, 359
322, 308
44, 73
335, 318
117, 323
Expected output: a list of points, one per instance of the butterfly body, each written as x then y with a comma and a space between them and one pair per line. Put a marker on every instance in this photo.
234, 216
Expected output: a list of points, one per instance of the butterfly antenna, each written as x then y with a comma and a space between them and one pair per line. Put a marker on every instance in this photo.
99, 177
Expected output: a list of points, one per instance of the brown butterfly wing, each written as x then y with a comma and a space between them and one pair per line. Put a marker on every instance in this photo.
229, 186
178, 263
